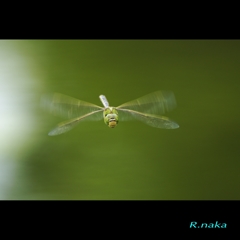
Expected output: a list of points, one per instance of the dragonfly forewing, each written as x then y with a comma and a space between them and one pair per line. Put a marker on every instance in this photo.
158, 102
68, 107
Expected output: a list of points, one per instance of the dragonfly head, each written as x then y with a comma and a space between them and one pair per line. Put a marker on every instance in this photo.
110, 116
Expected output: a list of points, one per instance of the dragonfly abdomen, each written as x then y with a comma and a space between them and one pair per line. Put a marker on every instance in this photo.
104, 101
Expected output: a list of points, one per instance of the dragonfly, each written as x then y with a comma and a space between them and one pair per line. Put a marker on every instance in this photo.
147, 109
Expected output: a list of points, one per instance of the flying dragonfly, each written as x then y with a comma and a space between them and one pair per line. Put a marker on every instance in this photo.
147, 109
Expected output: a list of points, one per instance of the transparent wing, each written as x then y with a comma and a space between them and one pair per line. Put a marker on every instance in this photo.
68, 107
69, 124
150, 119
154, 103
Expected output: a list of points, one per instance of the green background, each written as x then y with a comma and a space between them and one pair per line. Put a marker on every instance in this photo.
200, 160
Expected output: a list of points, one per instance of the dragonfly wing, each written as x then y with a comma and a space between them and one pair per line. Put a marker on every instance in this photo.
69, 124
68, 107
149, 119
158, 102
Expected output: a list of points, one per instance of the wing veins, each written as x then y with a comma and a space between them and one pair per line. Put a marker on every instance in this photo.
152, 120
66, 126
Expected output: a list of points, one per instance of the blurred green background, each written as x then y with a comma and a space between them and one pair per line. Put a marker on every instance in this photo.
200, 160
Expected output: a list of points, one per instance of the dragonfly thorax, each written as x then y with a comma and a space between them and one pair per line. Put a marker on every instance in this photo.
110, 116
